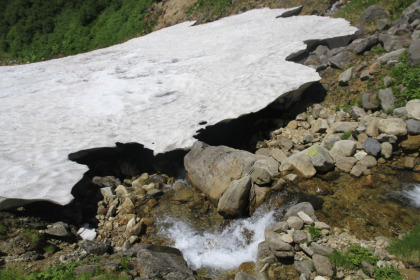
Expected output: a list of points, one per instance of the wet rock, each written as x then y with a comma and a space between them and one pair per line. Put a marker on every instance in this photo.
58, 229
323, 265
394, 126
413, 127
412, 143
386, 150
305, 207
370, 100
161, 262
94, 248
345, 77
295, 222
321, 249
244, 276
373, 13
409, 162
413, 109
358, 170
320, 158
304, 267
301, 163
414, 53
345, 148
344, 163
390, 56
234, 200
341, 60
387, 99
372, 146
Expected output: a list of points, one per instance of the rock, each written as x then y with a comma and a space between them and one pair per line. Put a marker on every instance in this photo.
388, 81
278, 155
291, 12
322, 225
107, 193
345, 148
373, 13
365, 44
305, 218
106, 182
372, 146
372, 126
295, 222
358, 170
375, 68
319, 126
390, 56
356, 113
234, 200
414, 53
413, 109
364, 76
300, 236
304, 267
58, 229
341, 60
344, 163
360, 154
269, 164
263, 152
288, 238
387, 138
121, 191
368, 161
305, 207
409, 162
284, 143
382, 24
257, 196
276, 245
386, 150
400, 112
320, 158
260, 175
86, 269
308, 251
161, 262
244, 276
323, 265
321, 249
387, 99
396, 40
291, 177
412, 143
94, 248
212, 169
301, 163
413, 127
315, 110
394, 126
281, 227
345, 77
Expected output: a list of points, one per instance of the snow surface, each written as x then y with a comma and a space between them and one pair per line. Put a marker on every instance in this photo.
153, 90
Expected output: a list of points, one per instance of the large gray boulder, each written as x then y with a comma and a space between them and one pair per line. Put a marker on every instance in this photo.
323, 265
372, 146
320, 158
414, 53
301, 163
279, 248
390, 56
234, 201
341, 60
413, 109
344, 163
387, 99
373, 13
413, 127
394, 126
212, 169
370, 100
343, 148
305, 207
161, 262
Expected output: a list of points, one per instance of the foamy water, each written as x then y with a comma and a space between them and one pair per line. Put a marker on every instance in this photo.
224, 249
412, 192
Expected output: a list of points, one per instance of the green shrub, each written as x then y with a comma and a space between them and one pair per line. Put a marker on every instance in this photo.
49, 249
315, 233
387, 273
353, 257
59, 272
211, 8
11, 273
346, 135
408, 247
407, 76
32, 236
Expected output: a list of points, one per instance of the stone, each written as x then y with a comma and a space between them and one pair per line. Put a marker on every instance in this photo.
257, 196
107, 192
319, 126
413, 127
375, 68
345, 77
344, 163
320, 158
284, 143
382, 24
234, 200
395, 40
301, 163
387, 138
305, 218
322, 225
368, 161
260, 175
288, 238
121, 191
373, 13
372, 126
282, 226
321, 249
372, 146
364, 75
345, 148
275, 243
409, 162
358, 170
304, 267
370, 100
161, 262
291, 177
323, 265
394, 126
243, 276
412, 143
58, 229
387, 99
365, 44
413, 109
94, 248
295, 222
212, 169
86, 269
360, 154
414, 53
263, 152
315, 110
278, 155
341, 60
305, 207
356, 113
300, 236
269, 164
388, 81
386, 150
394, 55
400, 112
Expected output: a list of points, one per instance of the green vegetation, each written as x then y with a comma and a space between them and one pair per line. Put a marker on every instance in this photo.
409, 78
32, 236
408, 248
10, 273
346, 135
315, 233
213, 8
33, 30
353, 258
49, 249
387, 273
355, 8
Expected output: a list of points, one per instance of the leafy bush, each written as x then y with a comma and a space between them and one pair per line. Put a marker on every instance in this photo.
353, 257
408, 247
10, 273
315, 233
407, 76
387, 273
49, 249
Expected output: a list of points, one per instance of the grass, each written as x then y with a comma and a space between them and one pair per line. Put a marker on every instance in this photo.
346, 135
408, 248
212, 9
387, 273
32, 236
49, 249
315, 233
353, 257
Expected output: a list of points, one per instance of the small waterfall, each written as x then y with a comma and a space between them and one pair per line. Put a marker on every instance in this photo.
333, 7
412, 193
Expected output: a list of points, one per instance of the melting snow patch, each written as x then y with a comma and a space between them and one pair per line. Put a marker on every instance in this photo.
154, 90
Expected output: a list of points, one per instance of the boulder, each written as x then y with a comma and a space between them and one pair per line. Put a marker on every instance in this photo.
301, 163
356, 113
370, 100
305, 207
304, 267
345, 77
212, 169
161, 262
94, 248
372, 146
269, 164
284, 143
375, 68
320, 158
341, 60
387, 138
414, 53
365, 44
344, 163
322, 265
412, 143
390, 56
58, 229
413, 127
344, 148
413, 109
321, 249
278, 155
386, 150
392, 42
358, 170
279, 248
300, 236
305, 218
409, 15
394, 126
295, 222
387, 99
364, 75
260, 175
372, 126
235, 199
368, 161
400, 112
373, 13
